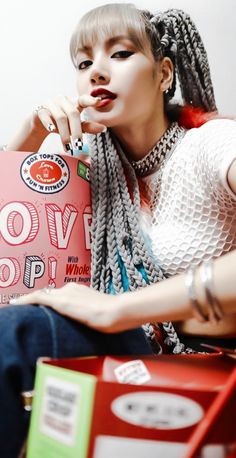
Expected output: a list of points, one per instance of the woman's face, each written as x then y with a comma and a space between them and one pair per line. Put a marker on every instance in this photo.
126, 79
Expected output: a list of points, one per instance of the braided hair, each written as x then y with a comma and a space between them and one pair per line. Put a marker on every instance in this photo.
178, 38
120, 257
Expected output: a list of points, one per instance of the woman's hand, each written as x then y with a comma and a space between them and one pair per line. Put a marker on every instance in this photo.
92, 308
60, 115
63, 115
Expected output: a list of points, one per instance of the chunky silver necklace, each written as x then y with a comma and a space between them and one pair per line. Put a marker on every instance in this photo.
164, 147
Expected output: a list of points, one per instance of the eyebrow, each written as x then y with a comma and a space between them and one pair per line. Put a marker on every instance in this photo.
110, 42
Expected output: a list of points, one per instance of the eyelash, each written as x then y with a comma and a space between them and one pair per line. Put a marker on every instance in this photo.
83, 65
122, 55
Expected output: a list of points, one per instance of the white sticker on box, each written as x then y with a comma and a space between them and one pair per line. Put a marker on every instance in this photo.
59, 411
133, 372
158, 410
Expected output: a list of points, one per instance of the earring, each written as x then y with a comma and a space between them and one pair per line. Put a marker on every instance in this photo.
168, 90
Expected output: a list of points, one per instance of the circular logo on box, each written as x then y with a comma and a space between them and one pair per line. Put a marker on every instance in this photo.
157, 410
45, 173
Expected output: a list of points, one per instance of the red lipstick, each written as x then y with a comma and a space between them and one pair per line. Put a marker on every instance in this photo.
105, 95
102, 92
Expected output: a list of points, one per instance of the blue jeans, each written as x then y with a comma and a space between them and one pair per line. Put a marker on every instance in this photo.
28, 332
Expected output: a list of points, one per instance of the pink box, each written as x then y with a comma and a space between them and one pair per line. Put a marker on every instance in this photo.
45, 222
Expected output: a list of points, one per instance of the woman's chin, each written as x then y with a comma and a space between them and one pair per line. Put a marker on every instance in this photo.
108, 119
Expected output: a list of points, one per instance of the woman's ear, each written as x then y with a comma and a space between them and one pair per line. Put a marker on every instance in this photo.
167, 70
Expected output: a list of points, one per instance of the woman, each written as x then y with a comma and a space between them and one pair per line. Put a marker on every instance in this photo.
126, 64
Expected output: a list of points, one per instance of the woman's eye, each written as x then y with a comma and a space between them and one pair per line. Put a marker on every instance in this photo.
84, 64
122, 54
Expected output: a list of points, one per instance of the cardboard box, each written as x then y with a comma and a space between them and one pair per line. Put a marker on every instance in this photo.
119, 407
45, 222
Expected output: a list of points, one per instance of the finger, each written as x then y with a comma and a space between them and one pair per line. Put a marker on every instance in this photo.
91, 127
76, 126
44, 116
85, 101
41, 296
54, 119
60, 118
74, 121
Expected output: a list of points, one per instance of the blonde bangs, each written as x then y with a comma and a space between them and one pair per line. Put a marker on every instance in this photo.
106, 22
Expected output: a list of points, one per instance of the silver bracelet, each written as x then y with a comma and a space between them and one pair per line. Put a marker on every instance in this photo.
190, 284
215, 310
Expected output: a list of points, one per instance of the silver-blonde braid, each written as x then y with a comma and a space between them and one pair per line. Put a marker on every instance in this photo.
116, 234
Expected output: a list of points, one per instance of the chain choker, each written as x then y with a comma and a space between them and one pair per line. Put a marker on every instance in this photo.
164, 147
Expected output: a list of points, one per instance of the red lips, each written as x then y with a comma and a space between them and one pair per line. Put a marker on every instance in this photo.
104, 93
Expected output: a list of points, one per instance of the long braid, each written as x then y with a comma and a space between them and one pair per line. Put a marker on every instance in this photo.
115, 231
180, 40
140, 253
99, 204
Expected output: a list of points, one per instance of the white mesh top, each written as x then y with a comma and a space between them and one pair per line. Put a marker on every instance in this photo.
193, 210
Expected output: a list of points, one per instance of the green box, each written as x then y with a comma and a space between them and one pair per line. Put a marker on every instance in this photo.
83, 170
61, 415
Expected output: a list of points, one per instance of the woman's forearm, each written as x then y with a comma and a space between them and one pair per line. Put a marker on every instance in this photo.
164, 301
168, 300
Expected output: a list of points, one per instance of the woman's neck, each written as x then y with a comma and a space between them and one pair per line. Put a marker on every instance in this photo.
138, 140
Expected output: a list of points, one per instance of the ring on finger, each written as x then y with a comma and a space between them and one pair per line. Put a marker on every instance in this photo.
47, 289
38, 108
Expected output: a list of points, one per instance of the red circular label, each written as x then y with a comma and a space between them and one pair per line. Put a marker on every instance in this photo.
45, 172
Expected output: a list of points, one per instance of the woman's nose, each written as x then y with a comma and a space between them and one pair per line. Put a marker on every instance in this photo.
99, 79
99, 76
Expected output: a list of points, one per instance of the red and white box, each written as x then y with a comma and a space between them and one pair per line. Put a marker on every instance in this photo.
125, 408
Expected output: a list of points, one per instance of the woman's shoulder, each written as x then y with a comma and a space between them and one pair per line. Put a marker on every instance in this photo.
213, 133
219, 123
215, 150
215, 126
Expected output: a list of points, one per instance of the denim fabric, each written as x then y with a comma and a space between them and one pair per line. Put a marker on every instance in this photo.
28, 332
